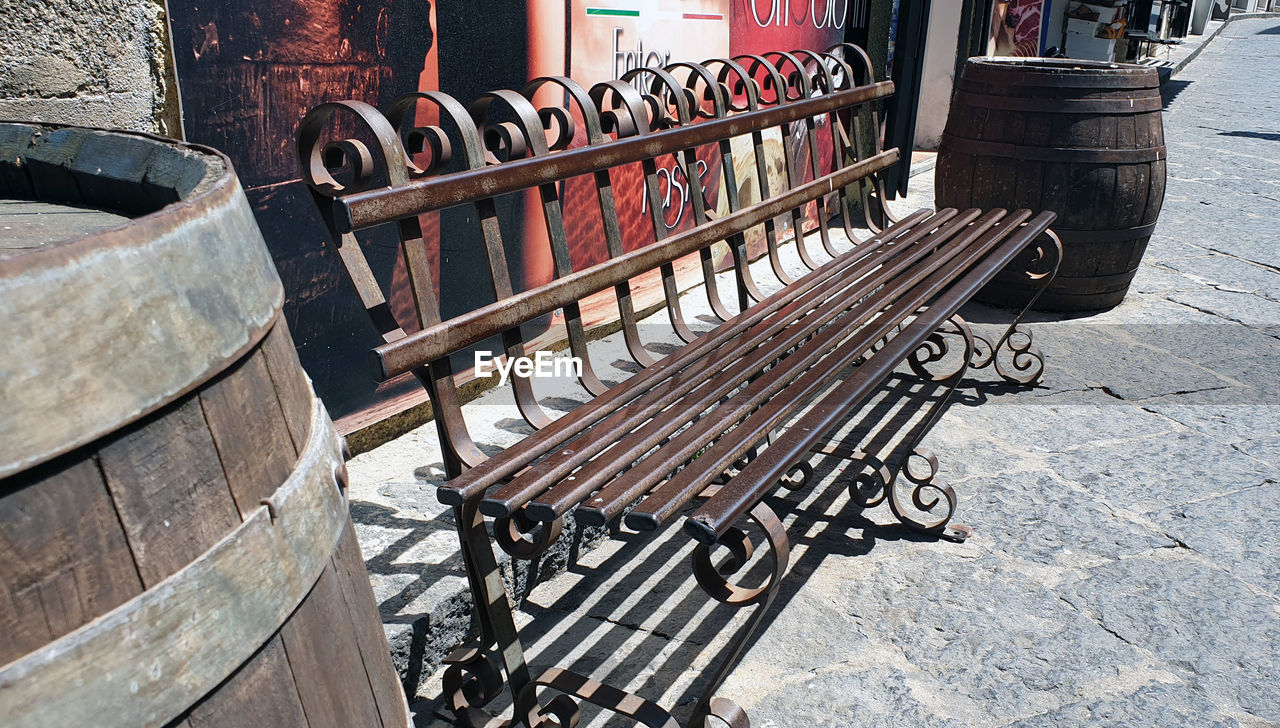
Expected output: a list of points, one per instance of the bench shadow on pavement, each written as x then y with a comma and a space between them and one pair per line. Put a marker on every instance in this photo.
603, 625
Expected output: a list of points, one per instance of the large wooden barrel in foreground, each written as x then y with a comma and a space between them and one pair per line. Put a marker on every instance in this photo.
1081, 138
175, 547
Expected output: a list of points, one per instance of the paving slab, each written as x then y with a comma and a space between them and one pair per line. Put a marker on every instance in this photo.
976, 640
1144, 476
1249, 428
1226, 273
1214, 629
1169, 705
1231, 531
1040, 517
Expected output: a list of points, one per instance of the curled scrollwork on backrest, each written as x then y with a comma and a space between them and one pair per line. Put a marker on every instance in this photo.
450, 110
862, 60
717, 94
841, 76
475, 142
771, 89
431, 142
741, 84
720, 97
451, 143
665, 92
771, 85
322, 159
737, 80
625, 112
621, 107
594, 130
523, 136
526, 136
862, 72
866, 136
834, 74
799, 86
822, 80
562, 117
712, 90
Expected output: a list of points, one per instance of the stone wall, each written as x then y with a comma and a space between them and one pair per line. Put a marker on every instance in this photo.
90, 62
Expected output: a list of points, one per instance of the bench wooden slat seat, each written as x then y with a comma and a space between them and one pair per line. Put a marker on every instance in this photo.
918, 246
732, 415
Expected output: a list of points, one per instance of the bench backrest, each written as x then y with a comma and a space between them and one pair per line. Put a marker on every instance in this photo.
643, 117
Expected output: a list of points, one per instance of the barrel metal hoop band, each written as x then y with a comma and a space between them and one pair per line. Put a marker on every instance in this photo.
148, 660
1061, 106
1105, 236
1075, 155
1030, 78
1093, 284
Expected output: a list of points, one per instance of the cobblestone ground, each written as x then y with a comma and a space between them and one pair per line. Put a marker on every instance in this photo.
1125, 563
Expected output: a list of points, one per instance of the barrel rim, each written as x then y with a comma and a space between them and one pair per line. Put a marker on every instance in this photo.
1067, 66
1061, 72
173, 359
215, 177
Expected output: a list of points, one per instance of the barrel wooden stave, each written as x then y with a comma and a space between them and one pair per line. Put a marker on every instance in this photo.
1100, 171
87, 529
92, 529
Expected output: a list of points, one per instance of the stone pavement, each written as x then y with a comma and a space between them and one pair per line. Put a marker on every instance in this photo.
1125, 565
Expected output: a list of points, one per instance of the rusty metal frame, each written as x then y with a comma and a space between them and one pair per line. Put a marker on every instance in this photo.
875, 306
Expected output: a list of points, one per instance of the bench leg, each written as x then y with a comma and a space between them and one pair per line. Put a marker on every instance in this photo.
564, 708
714, 580
473, 677
877, 481
1025, 362
475, 673
927, 493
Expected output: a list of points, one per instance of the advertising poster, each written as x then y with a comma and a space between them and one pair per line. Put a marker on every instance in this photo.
607, 39
760, 26
1015, 28
247, 72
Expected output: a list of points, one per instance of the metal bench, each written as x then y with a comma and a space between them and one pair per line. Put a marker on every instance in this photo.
706, 433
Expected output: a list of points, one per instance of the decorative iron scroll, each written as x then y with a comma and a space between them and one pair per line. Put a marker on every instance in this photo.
1025, 362
875, 481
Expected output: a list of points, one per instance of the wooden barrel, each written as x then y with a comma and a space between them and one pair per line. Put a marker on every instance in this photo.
1081, 138
176, 543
